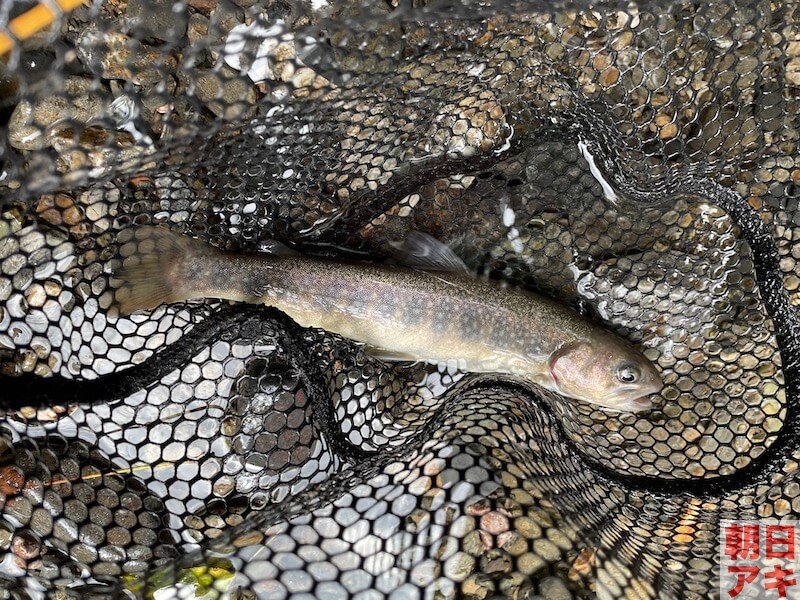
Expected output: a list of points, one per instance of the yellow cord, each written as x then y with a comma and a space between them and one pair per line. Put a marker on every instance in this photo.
31, 21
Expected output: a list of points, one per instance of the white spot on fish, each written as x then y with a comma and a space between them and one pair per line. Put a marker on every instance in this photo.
608, 191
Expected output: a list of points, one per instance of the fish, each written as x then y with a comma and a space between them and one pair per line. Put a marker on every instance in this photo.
430, 309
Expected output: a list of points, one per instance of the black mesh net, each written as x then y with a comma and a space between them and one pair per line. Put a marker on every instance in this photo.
636, 161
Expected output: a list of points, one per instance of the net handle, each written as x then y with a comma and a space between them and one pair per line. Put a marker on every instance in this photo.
32, 21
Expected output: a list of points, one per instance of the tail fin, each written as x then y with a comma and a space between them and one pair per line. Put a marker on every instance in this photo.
160, 274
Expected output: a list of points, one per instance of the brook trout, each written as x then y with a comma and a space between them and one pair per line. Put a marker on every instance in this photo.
404, 313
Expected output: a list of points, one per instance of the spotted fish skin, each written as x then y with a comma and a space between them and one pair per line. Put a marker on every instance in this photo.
406, 313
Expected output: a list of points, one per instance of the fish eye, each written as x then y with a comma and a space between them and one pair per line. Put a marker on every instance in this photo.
628, 373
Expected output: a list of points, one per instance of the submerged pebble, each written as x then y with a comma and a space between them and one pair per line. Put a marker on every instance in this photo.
34, 123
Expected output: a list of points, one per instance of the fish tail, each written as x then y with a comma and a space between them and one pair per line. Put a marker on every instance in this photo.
157, 269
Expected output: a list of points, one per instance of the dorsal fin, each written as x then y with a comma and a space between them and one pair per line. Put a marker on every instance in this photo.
421, 251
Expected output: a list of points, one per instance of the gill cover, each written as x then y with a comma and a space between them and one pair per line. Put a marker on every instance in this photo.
567, 362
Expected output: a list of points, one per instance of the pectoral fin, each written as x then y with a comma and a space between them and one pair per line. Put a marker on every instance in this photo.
542, 379
421, 251
276, 248
389, 355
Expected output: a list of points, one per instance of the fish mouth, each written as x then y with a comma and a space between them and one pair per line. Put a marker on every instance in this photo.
623, 391
628, 392
631, 398
638, 404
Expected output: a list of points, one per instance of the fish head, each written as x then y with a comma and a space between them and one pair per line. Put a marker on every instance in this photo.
609, 373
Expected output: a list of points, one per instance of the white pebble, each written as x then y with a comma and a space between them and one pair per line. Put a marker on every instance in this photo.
508, 216
21, 334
